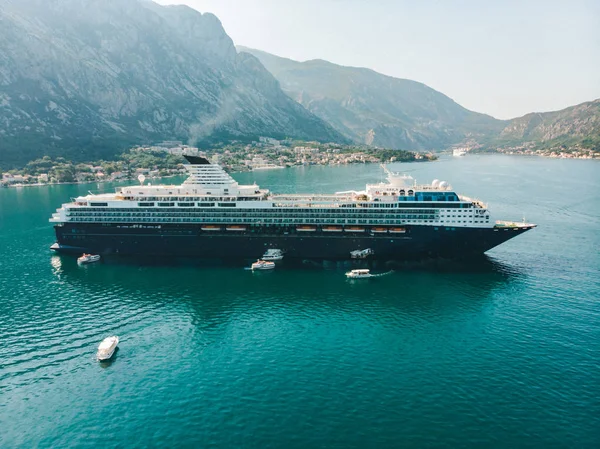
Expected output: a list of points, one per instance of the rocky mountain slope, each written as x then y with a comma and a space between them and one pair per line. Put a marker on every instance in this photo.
85, 79
574, 126
372, 108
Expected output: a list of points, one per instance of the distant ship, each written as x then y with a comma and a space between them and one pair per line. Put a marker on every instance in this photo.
459, 152
267, 167
210, 215
262, 164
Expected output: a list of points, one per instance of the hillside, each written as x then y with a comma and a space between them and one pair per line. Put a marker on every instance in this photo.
84, 80
571, 127
372, 108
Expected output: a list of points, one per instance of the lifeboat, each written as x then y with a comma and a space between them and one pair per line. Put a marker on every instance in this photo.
210, 228
306, 228
236, 228
332, 229
398, 230
379, 230
354, 229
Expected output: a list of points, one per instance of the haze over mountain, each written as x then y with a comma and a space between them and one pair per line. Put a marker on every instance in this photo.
375, 109
84, 80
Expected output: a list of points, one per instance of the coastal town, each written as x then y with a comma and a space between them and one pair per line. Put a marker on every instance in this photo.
164, 159
553, 152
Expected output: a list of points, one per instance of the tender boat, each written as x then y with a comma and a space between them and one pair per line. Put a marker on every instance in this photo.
361, 253
273, 255
263, 265
359, 274
88, 258
107, 347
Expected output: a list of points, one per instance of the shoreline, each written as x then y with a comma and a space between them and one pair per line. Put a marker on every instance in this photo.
566, 156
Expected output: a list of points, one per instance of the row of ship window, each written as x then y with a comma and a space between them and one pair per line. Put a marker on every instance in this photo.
265, 221
212, 202
261, 212
414, 215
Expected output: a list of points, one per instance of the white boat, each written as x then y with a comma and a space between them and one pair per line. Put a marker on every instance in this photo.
359, 274
273, 255
263, 265
88, 258
107, 347
459, 152
361, 253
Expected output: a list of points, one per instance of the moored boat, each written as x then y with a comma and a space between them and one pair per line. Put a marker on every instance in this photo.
332, 229
88, 258
361, 253
107, 347
398, 231
263, 265
273, 255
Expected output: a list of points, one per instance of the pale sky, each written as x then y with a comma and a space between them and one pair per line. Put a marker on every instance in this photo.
503, 58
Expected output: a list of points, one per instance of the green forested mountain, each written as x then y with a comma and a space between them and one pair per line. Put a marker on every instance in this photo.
86, 79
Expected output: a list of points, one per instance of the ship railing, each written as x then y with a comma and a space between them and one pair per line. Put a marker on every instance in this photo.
475, 201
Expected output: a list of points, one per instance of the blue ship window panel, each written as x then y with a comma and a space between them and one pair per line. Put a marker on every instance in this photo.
145, 204
99, 204
227, 204
166, 204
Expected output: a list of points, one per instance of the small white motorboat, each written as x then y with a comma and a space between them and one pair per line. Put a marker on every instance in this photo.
263, 265
362, 273
361, 253
88, 258
107, 347
273, 255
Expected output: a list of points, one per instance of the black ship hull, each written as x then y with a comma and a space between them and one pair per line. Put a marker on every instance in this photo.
189, 240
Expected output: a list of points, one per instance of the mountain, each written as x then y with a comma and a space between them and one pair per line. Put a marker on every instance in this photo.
376, 109
574, 126
85, 79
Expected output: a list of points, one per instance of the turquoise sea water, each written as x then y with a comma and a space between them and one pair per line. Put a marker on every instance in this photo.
505, 353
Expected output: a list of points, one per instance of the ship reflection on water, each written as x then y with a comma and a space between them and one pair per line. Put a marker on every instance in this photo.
214, 294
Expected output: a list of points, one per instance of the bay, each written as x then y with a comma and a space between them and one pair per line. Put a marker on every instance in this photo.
502, 354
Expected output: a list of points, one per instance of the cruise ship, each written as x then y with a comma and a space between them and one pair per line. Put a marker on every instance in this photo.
210, 215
